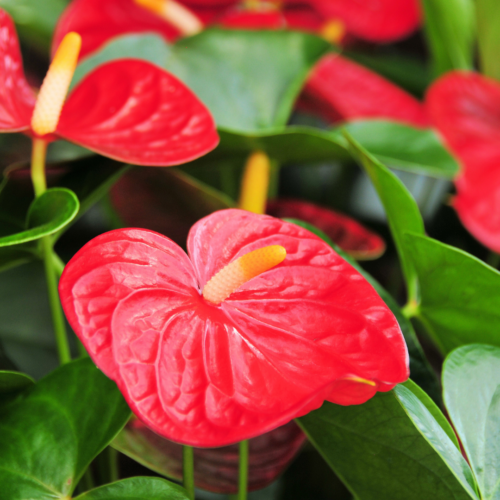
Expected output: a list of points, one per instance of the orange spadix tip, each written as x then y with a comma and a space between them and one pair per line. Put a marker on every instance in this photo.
174, 13
56, 85
238, 272
333, 31
360, 380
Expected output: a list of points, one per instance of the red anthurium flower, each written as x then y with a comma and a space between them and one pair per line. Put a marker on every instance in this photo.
348, 234
129, 110
216, 469
260, 324
342, 90
465, 107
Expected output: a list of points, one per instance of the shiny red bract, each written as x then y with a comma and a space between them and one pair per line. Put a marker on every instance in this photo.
309, 330
128, 109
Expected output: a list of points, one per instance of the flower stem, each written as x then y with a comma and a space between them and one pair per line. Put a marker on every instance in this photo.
51, 266
243, 473
188, 470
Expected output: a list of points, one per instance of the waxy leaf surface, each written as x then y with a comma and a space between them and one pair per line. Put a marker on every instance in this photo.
401, 209
49, 213
132, 111
52, 430
137, 488
379, 453
215, 469
252, 363
460, 303
471, 380
13, 382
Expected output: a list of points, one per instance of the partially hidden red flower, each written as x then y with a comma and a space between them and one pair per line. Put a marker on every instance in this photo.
342, 90
208, 359
128, 109
215, 469
347, 233
465, 107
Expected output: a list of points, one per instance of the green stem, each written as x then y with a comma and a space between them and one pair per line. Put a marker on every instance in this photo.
188, 470
58, 264
243, 473
51, 266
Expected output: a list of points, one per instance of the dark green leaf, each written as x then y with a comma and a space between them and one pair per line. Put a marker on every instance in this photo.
471, 381
14, 381
137, 488
460, 303
401, 209
50, 433
420, 369
35, 20
449, 27
404, 147
438, 433
49, 213
378, 452
488, 32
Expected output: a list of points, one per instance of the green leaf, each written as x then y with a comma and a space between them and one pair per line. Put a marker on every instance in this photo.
449, 27
401, 209
471, 381
379, 453
248, 79
52, 431
49, 213
420, 370
35, 20
460, 303
404, 147
488, 32
137, 488
14, 381
437, 432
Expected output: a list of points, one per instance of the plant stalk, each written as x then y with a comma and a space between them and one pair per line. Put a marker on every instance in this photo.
243, 471
188, 470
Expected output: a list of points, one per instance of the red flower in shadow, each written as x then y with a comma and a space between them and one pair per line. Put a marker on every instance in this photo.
209, 372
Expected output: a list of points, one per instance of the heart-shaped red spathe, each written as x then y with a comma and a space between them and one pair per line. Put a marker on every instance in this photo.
465, 108
17, 100
307, 330
341, 90
347, 233
373, 20
133, 111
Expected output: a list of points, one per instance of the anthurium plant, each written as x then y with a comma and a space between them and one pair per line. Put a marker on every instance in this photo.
249, 248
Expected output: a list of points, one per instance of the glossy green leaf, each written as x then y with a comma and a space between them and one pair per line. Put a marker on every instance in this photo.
11, 381
449, 28
35, 20
420, 370
460, 303
379, 453
50, 433
49, 213
137, 488
488, 32
433, 431
471, 381
404, 147
401, 209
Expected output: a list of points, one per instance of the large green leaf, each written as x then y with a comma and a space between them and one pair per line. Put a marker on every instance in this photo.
49, 213
401, 209
379, 453
35, 20
14, 381
471, 381
420, 370
52, 431
460, 303
449, 27
488, 32
433, 429
404, 147
137, 488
